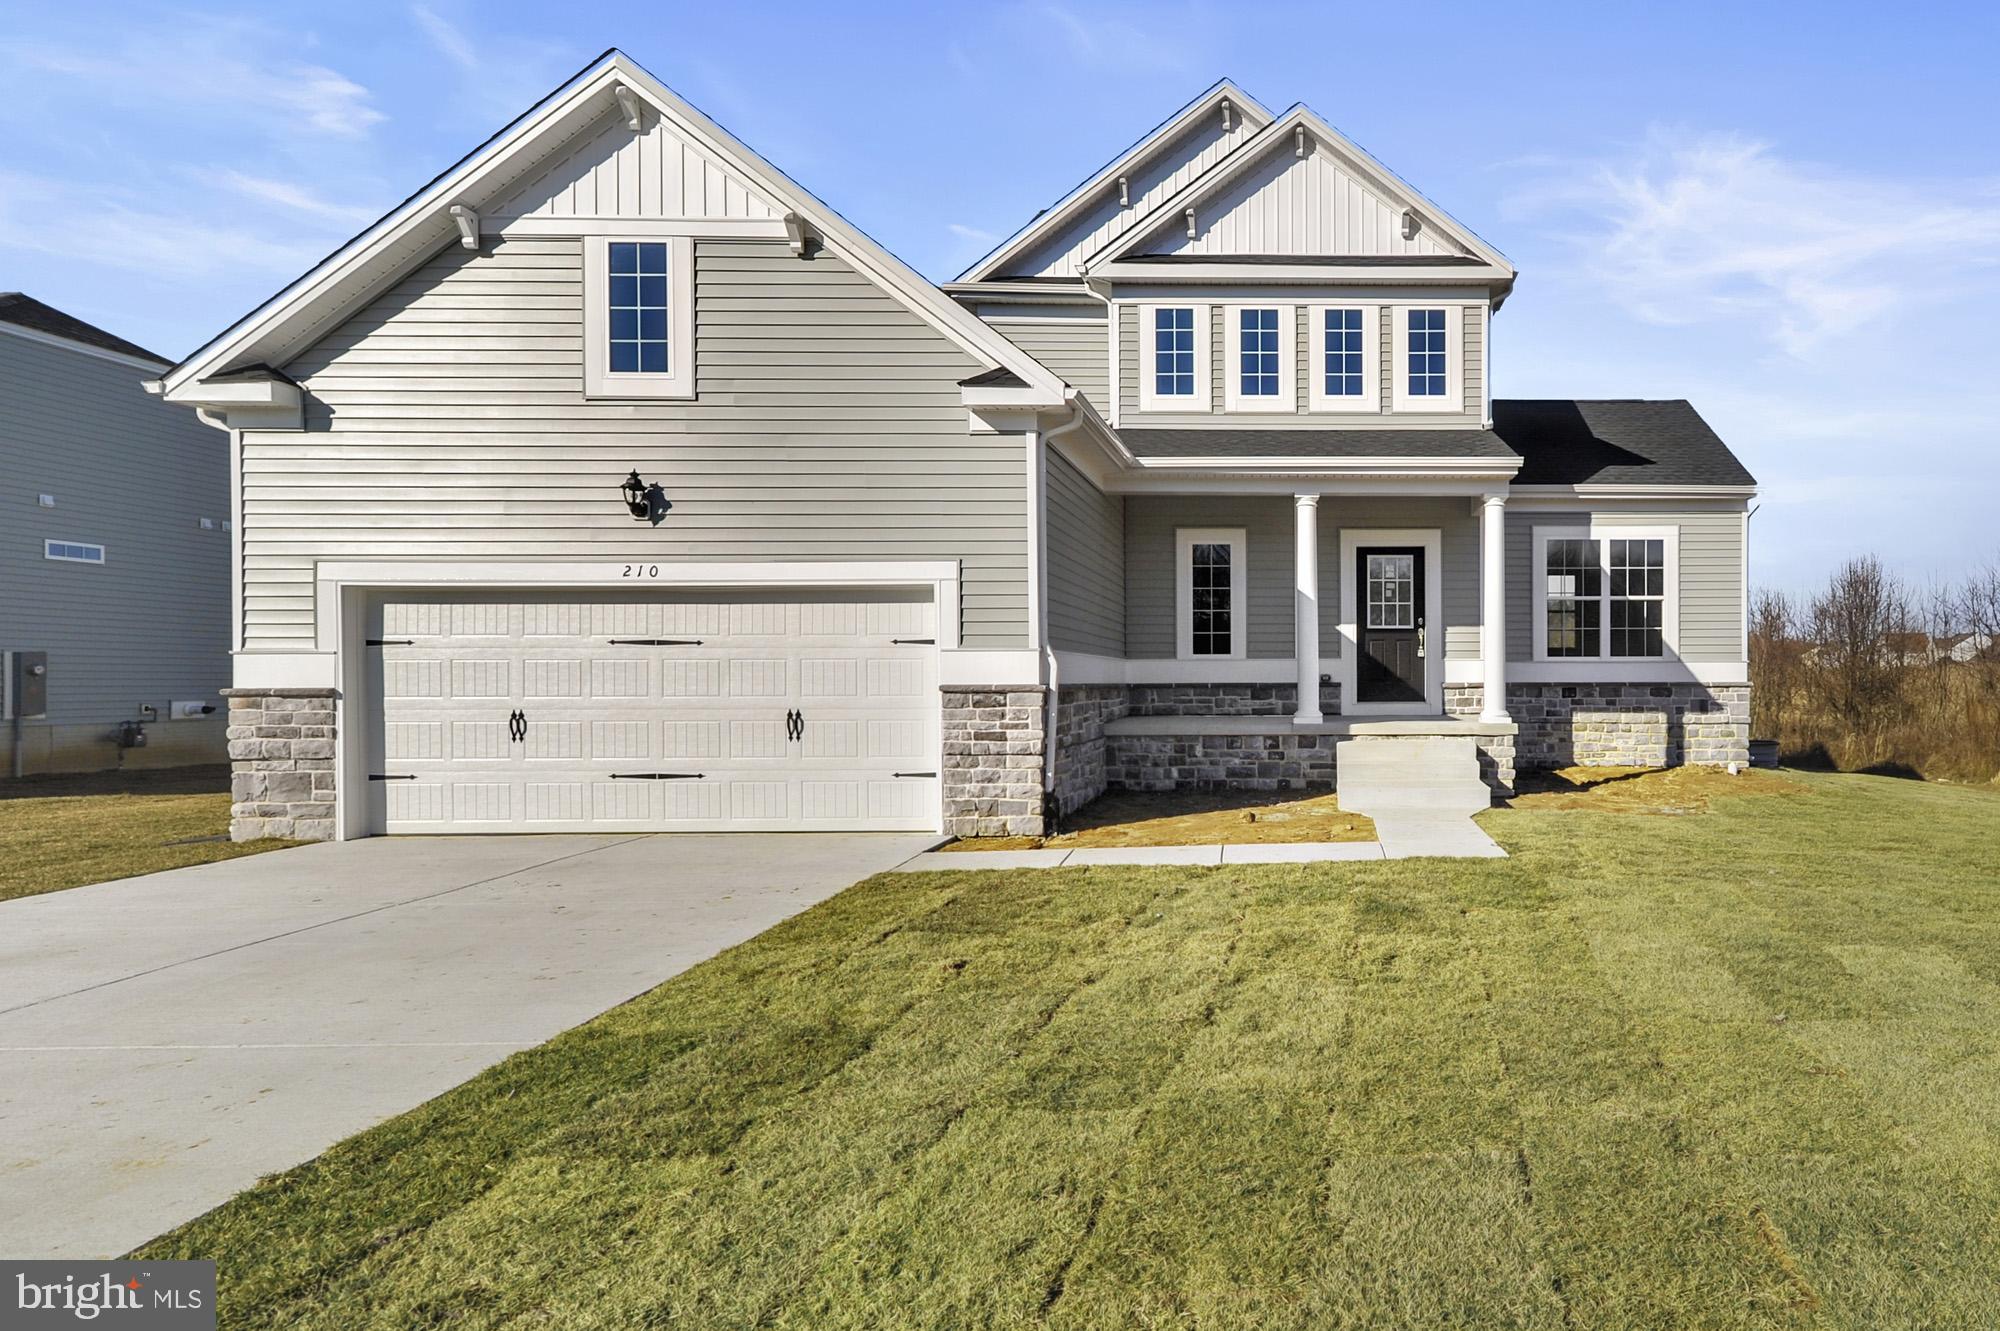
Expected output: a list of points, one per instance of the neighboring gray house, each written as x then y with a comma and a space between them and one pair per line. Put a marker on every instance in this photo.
1193, 479
116, 555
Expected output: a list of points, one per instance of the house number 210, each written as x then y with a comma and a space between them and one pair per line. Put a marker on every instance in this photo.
642, 570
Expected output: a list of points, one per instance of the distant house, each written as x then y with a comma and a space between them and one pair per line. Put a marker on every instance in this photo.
1923, 649
115, 549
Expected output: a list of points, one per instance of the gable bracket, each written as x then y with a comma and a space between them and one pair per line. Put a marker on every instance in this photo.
798, 234
1124, 191
1226, 109
1299, 141
1411, 224
468, 225
628, 102
1190, 224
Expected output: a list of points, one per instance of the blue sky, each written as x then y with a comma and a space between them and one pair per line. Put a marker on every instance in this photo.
1790, 215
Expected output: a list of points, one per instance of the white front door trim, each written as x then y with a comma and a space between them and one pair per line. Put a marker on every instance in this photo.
1430, 539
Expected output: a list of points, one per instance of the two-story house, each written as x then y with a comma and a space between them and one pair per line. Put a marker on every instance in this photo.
613, 481
115, 550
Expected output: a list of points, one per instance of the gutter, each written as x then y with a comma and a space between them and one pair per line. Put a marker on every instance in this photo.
1053, 690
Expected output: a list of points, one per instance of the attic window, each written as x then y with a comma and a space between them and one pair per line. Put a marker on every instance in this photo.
638, 317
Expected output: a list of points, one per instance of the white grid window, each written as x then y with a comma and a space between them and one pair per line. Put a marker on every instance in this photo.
1211, 586
1257, 335
637, 303
1173, 353
1343, 359
73, 552
1392, 591
1605, 593
1427, 354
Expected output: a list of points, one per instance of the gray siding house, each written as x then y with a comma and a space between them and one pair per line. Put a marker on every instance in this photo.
613, 481
116, 555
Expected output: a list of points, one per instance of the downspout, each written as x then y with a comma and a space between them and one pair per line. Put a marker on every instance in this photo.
1051, 813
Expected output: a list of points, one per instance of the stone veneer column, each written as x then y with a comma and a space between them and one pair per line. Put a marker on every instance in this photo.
281, 780
992, 773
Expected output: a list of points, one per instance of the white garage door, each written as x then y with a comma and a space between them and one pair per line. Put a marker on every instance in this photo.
674, 711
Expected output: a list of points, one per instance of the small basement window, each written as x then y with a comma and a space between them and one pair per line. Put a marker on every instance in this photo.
73, 552
638, 317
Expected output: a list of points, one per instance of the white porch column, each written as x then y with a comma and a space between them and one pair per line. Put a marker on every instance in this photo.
1305, 607
1493, 608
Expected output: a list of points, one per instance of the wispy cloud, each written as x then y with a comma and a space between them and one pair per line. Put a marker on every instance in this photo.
1696, 227
115, 228
445, 36
971, 233
296, 198
214, 65
1145, 39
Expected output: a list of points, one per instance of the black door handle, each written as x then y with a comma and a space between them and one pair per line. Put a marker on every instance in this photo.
517, 726
795, 725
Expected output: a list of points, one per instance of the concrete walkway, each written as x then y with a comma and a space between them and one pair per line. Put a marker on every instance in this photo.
169, 1039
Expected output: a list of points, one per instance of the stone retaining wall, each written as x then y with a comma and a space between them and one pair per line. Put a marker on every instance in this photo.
1219, 762
281, 781
1080, 743
993, 760
1225, 699
1622, 725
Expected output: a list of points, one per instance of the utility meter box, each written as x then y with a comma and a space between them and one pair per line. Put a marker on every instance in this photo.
28, 685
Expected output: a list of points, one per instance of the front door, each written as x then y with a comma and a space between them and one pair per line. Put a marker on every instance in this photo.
1391, 596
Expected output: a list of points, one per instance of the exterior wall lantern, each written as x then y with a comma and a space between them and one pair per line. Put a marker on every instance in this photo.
638, 498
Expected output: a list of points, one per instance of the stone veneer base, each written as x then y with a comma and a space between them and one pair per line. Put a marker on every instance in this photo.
992, 776
1621, 725
281, 774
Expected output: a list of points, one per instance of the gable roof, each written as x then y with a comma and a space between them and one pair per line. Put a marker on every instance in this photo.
1614, 442
1325, 139
422, 224
1068, 208
24, 311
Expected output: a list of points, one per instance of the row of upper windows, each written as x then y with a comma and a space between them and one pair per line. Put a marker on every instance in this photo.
1342, 366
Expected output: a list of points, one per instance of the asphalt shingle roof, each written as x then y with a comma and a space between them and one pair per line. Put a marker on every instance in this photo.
26, 312
1617, 441
1559, 442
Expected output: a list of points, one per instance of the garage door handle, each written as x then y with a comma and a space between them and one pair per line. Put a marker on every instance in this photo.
517, 727
392, 642
795, 725
377, 776
657, 776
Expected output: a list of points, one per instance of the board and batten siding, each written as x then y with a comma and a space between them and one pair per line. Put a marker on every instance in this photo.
136, 476
446, 421
1086, 562
1472, 371
1711, 576
1287, 204
1151, 554
1169, 167
1073, 343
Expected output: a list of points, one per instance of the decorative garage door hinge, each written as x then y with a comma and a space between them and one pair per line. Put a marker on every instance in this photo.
913, 774
657, 776
656, 642
378, 776
392, 642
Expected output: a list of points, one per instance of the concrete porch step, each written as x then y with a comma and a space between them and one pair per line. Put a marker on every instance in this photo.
1431, 774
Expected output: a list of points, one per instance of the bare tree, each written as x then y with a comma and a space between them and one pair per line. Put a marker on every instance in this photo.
1776, 661
1859, 627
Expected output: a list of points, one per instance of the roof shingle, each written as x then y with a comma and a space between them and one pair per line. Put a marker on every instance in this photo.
25, 311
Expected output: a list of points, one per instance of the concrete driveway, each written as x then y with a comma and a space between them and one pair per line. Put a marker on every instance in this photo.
165, 1041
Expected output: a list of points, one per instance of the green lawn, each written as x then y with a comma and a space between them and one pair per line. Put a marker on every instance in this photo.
1733, 1069
65, 831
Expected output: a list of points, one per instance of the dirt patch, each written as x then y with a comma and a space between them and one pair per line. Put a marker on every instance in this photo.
1657, 790
1191, 818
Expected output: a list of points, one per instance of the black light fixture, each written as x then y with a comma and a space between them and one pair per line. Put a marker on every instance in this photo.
637, 497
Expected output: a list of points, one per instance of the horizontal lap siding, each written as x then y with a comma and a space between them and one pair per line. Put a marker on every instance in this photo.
1074, 349
1086, 552
446, 421
1150, 556
151, 624
1711, 577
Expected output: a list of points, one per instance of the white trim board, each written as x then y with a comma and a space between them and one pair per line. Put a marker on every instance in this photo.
1080, 668
1432, 541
